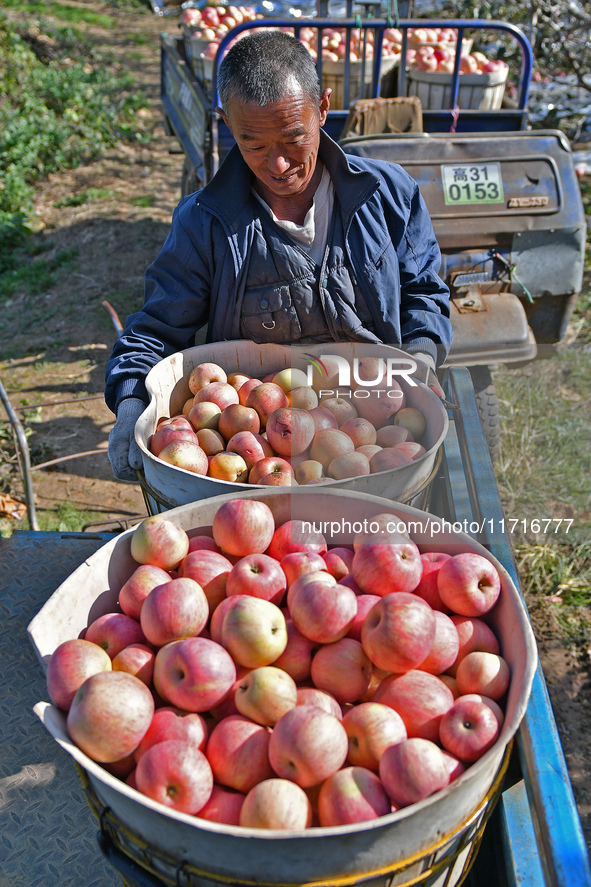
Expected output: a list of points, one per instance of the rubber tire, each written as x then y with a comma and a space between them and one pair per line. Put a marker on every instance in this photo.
488, 407
190, 181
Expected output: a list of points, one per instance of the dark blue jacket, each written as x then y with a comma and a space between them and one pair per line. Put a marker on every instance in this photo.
204, 268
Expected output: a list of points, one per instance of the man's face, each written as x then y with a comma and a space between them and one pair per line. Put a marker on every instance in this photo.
279, 142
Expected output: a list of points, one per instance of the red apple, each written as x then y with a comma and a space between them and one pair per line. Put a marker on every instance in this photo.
204, 415
420, 699
427, 587
294, 535
174, 723
266, 398
296, 659
353, 794
205, 373
138, 660
323, 612
323, 418
398, 632
71, 663
202, 542
484, 673
474, 634
276, 804
468, 729
236, 418
342, 669
159, 542
383, 567
217, 617
268, 465
307, 745
469, 584
258, 575
252, 447
194, 673
348, 465
224, 806
246, 388
413, 770
141, 582
175, 773
446, 644
109, 715
388, 459
210, 569
238, 751
169, 434
361, 432
290, 431
321, 699
391, 435
339, 561
217, 392
243, 526
365, 602
237, 380
278, 479
494, 706
301, 563
113, 632
371, 728
342, 408
177, 609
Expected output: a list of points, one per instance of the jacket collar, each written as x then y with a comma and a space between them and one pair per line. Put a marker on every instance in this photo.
228, 194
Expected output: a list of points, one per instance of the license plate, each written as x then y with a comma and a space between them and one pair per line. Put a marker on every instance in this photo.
472, 183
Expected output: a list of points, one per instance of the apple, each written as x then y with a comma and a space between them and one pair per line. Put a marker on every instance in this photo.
468, 729
278, 479
368, 451
266, 398
138, 660
361, 432
254, 632
243, 526
202, 542
237, 380
211, 441
209, 569
203, 374
217, 617
412, 419
352, 794
228, 466
450, 682
398, 632
485, 673
258, 575
109, 715
70, 664
386, 567
217, 392
177, 609
238, 751
265, 694
494, 706
301, 563
205, 414
323, 418
141, 582
236, 418
227, 706
413, 770
446, 645
276, 804
474, 634
290, 431
186, 455
293, 536
321, 699
348, 465
175, 773
174, 723
307, 745
329, 443
166, 434
323, 612
411, 449
381, 404
114, 631
253, 447
349, 581
342, 669
391, 435
246, 388
193, 673
290, 378
365, 602
383, 527
159, 542
339, 561
420, 699
296, 659
224, 806
303, 398
388, 459
309, 470
371, 728
427, 587
342, 409
469, 584
268, 465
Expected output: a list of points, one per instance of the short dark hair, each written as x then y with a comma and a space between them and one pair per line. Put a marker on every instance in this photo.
259, 67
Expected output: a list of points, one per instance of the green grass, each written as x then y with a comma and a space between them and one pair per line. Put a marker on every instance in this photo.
33, 276
61, 11
91, 195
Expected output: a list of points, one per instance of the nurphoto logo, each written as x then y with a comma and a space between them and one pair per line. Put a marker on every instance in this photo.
386, 371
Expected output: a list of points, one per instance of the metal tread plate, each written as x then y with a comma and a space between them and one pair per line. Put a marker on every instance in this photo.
47, 832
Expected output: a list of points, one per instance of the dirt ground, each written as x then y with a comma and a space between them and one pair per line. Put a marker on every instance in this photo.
55, 346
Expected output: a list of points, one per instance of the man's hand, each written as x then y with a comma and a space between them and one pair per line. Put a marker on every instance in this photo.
426, 373
124, 453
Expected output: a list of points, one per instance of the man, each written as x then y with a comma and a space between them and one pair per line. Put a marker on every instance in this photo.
292, 241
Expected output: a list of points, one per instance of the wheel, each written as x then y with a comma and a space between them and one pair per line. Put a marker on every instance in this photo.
488, 407
190, 181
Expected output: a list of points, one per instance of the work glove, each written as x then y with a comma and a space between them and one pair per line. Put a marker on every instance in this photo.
124, 453
426, 373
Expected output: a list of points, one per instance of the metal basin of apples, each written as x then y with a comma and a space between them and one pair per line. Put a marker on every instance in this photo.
420, 835
168, 486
